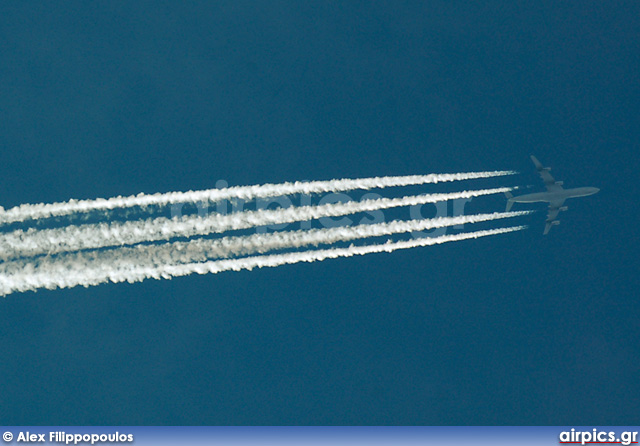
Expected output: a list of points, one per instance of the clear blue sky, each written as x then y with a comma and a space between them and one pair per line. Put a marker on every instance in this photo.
108, 98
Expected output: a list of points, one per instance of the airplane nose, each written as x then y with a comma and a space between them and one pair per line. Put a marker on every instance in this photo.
596, 190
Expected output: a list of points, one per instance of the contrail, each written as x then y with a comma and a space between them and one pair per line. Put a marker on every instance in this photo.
34, 242
200, 250
36, 211
88, 275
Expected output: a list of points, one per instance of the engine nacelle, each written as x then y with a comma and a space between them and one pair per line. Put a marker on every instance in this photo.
548, 169
555, 222
564, 208
559, 183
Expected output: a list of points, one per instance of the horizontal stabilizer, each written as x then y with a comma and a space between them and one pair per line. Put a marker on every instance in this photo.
509, 196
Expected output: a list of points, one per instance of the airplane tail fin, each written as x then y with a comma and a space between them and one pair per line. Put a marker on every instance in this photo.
509, 196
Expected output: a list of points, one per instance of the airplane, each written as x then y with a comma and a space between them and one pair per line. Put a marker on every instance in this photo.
555, 195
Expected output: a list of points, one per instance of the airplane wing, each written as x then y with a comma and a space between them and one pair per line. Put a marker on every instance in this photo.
547, 227
554, 209
551, 184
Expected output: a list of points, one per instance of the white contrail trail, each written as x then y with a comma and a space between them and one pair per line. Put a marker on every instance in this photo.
34, 242
200, 250
89, 275
42, 210
206, 249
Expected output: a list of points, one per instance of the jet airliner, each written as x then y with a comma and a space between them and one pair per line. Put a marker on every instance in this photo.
555, 195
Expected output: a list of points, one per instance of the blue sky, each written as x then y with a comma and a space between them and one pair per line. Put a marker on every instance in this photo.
104, 98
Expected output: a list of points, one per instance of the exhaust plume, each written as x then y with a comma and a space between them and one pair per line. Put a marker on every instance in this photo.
33, 242
35, 211
88, 275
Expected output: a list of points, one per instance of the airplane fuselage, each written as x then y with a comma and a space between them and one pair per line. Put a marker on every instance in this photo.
555, 195
562, 194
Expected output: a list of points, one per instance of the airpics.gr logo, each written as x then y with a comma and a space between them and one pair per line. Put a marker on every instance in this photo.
595, 436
